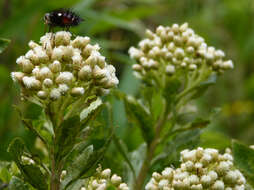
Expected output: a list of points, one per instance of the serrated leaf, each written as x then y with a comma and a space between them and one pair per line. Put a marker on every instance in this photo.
84, 164
31, 173
66, 136
17, 184
91, 109
4, 44
139, 115
244, 160
78, 164
34, 176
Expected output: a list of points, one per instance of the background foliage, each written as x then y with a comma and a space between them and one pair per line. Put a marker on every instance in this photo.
118, 24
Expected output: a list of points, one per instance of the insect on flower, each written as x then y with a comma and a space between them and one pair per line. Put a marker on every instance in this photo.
64, 18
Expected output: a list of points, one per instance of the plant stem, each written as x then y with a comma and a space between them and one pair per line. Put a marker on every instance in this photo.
55, 169
150, 152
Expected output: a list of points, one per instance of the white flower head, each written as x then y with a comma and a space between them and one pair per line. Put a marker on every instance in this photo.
177, 46
60, 65
218, 172
103, 179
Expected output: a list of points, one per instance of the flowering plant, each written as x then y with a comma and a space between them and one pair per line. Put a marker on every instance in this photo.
66, 79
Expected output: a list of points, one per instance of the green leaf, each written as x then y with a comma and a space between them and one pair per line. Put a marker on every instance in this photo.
170, 154
5, 175
3, 44
66, 136
111, 187
17, 184
16, 149
138, 114
84, 164
34, 176
31, 173
76, 185
33, 111
203, 86
171, 88
86, 113
199, 123
213, 139
244, 160
185, 118
154, 100
137, 158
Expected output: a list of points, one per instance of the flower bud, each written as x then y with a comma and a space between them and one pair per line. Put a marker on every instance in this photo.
44, 72
55, 94
65, 77
47, 82
98, 73
170, 69
63, 88
32, 57
227, 65
41, 54
123, 186
77, 91
63, 175
57, 53
218, 185
31, 82
62, 38
42, 94
80, 42
55, 67
85, 73
32, 44
116, 180
17, 76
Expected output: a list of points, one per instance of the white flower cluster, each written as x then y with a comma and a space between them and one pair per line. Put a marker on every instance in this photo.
200, 169
103, 179
59, 66
175, 48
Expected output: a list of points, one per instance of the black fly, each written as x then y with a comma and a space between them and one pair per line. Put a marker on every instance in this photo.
63, 18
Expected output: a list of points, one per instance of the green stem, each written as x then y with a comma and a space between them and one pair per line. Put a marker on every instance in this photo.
150, 151
55, 173
124, 154
55, 169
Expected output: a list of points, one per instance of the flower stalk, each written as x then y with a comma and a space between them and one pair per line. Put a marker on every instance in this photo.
63, 76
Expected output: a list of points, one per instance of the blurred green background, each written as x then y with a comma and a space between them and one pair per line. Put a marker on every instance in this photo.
118, 24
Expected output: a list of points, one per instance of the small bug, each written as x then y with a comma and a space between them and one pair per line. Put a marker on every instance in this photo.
64, 18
